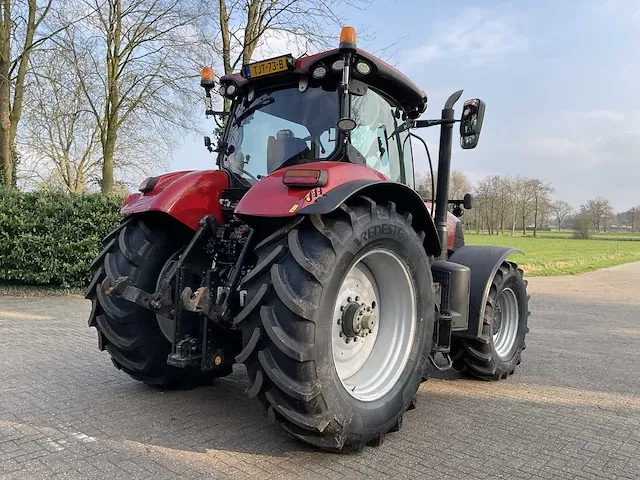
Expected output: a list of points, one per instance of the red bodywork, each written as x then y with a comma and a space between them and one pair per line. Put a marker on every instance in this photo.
272, 198
452, 223
189, 195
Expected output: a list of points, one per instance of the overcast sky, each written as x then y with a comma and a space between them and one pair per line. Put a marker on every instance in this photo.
560, 79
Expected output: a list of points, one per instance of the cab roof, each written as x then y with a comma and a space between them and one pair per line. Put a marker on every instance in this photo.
383, 77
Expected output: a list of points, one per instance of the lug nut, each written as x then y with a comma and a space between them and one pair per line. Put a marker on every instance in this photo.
349, 299
347, 340
355, 339
357, 299
339, 321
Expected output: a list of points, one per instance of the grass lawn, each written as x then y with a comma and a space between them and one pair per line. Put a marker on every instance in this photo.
562, 256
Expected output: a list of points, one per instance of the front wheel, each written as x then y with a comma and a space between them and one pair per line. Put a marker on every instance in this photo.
498, 351
338, 324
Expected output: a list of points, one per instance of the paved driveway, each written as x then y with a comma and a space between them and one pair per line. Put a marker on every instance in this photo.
571, 411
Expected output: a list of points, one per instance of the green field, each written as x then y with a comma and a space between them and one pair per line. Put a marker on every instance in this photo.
563, 256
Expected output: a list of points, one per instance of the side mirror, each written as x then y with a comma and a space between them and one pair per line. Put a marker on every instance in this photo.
467, 201
471, 123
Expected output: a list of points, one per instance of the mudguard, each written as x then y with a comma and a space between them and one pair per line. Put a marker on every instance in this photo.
271, 198
187, 196
484, 261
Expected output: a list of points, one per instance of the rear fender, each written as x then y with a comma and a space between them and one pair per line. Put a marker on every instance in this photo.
187, 196
271, 198
484, 261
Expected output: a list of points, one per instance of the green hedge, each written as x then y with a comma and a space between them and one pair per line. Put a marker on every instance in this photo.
50, 238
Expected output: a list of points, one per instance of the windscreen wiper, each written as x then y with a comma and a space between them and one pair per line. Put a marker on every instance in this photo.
250, 110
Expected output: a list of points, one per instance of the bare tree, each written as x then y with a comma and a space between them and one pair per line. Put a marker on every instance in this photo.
560, 209
245, 24
633, 216
630, 218
23, 29
459, 185
136, 64
540, 192
524, 199
61, 136
423, 185
598, 209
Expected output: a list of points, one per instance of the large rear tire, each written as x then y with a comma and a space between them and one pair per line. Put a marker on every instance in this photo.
139, 248
294, 346
498, 351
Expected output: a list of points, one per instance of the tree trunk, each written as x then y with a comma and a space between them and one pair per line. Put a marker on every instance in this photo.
107, 164
252, 31
6, 156
111, 120
535, 219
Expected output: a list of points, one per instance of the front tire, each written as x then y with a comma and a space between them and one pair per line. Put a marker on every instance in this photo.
498, 351
289, 325
139, 248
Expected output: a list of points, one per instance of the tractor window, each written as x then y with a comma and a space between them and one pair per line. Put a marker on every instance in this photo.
377, 119
281, 127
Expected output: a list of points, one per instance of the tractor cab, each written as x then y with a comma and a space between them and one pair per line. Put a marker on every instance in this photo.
340, 105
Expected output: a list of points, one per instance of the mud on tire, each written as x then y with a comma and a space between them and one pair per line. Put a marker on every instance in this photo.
139, 248
287, 324
480, 358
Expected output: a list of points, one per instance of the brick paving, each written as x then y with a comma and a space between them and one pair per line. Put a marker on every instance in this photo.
572, 410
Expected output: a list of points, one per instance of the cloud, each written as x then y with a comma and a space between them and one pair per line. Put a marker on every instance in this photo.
582, 166
556, 146
478, 36
608, 115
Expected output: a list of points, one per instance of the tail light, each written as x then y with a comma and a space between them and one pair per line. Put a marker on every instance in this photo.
305, 177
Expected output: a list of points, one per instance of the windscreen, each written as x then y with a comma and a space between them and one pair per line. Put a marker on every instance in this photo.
281, 127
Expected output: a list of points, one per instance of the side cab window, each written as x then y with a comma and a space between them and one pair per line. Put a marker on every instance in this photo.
377, 119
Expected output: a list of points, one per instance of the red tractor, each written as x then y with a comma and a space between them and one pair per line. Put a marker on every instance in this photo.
308, 256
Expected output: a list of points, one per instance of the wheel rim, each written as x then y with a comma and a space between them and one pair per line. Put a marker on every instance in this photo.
506, 317
373, 325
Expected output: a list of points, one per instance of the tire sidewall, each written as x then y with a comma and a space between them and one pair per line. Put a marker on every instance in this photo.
395, 234
514, 281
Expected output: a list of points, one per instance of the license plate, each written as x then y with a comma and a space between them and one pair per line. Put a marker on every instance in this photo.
267, 67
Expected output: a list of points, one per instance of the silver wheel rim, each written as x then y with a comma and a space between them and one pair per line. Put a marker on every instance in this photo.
370, 362
506, 317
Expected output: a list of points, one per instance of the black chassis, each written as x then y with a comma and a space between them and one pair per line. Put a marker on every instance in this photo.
202, 302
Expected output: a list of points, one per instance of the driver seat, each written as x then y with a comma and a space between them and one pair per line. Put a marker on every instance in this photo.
285, 146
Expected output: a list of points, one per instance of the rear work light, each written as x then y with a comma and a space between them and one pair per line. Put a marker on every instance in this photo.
148, 184
303, 177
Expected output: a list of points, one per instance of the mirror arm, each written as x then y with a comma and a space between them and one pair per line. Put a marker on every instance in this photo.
431, 123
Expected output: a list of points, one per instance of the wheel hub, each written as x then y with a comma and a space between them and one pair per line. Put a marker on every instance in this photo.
358, 320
